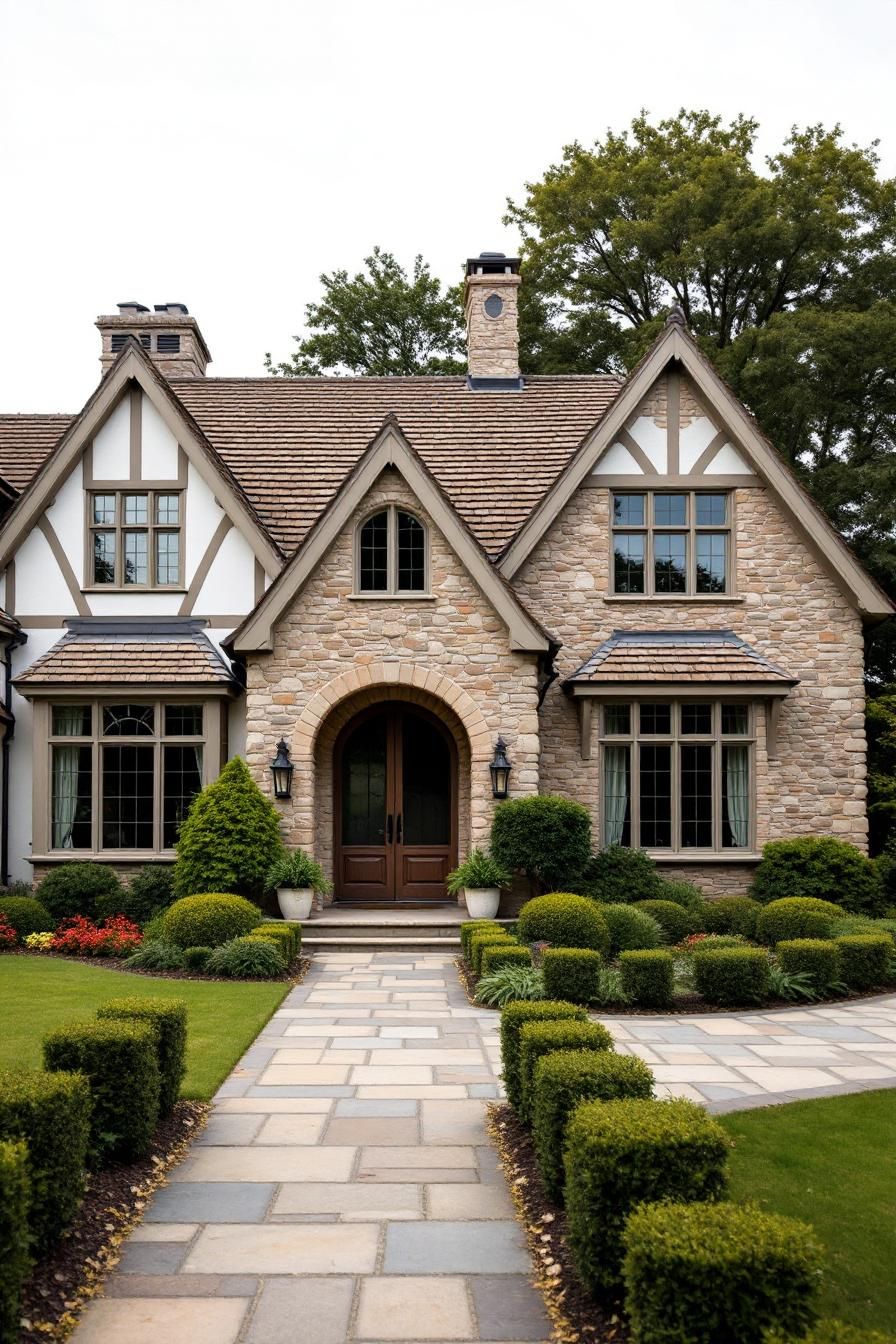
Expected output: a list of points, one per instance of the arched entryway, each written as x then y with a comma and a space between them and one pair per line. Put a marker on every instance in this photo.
395, 778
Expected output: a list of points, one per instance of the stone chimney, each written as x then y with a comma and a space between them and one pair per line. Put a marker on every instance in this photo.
169, 335
490, 308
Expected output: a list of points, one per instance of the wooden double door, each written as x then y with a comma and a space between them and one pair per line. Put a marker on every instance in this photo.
395, 774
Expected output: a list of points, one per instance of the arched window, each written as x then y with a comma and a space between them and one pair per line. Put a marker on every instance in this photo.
391, 554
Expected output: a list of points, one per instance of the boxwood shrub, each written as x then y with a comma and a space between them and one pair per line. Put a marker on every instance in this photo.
732, 914
288, 937
682, 893
149, 891
540, 1038
673, 919
820, 866
711, 1272
209, 920
818, 957
513, 1016
480, 941
631, 929
51, 1111
730, 976
501, 954
80, 889
544, 836
14, 1258
618, 875
797, 917
571, 973
247, 959
26, 915
648, 977
119, 1059
563, 1079
565, 920
471, 926
864, 960
622, 1153
168, 1019
196, 958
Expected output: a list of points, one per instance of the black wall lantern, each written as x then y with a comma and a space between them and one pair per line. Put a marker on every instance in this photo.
281, 771
500, 770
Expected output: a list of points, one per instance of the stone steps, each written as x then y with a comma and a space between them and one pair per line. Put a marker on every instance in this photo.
381, 930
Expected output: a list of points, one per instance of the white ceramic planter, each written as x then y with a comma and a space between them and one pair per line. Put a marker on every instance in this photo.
482, 902
295, 902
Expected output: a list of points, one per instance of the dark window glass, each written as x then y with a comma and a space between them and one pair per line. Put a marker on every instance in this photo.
628, 510
104, 509
618, 719
128, 720
628, 562
183, 720
426, 784
710, 510
167, 557
70, 817
127, 797
364, 785
104, 557
670, 510
656, 719
411, 554
696, 718
712, 550
136, 548
72, 720
375, 554
670, 564
656, 796
181, 781
735, 720
696, 796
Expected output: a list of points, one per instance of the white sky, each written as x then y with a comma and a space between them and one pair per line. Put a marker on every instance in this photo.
224, 154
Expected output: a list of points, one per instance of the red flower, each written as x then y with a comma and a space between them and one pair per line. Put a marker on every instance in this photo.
114, 937
8, 936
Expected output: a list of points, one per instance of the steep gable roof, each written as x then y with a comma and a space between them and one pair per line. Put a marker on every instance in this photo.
26, 442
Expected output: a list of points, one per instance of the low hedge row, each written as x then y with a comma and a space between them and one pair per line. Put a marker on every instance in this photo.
571, 973
51, 1111
14, 1258
817, 957
288, 937
537, 1039
471, 926
487, 938
730, 976
495, 955
513, 1018
168, 1020
797, 917
648, 977
864, 959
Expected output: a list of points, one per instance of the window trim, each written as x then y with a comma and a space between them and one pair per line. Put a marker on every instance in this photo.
674, 739
649, 529
213, 741
119, 489
391, 591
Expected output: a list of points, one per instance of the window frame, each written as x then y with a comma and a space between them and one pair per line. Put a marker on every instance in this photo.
391, 590
650, 529
120, 529
212, 741
675, 739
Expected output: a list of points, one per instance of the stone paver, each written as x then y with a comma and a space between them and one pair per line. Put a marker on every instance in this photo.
345, 1188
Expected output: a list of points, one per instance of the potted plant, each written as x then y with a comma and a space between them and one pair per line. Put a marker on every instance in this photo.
480, 878
296, 877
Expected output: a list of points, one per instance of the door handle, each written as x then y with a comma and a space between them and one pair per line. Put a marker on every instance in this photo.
398, 829
389, 829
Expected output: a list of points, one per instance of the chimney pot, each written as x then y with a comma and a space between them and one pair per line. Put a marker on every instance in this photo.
132, 306
172, 308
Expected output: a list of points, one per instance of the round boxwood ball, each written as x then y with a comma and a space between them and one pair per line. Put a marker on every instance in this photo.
209, 920
80, 889
564, 920
26, 915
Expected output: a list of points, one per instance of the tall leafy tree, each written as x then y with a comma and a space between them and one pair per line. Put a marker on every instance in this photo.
379, 321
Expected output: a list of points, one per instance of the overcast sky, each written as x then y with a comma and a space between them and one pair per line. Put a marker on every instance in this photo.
224, 154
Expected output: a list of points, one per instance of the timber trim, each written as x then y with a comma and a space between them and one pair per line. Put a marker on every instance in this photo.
65, 568
204, 566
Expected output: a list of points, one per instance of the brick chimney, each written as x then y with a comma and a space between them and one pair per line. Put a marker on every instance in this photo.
490, 308
169, 335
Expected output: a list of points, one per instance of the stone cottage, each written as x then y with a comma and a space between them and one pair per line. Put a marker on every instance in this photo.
379, 578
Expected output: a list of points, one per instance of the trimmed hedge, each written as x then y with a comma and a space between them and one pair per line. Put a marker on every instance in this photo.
209, 920
711, 1272
26, 915
820, 866
565, 920
864, 960
622, 1153
120, 1063
797, 917
648, 977
817, 957
730, 976
732, 914
619, 875
288, 935
563, 1079
471, 926
80, 889
498, 955
673, 919
631, 929
513, 1017
541, 1038
543, 835
14, 1258
571, 973
51, 1111
480, 941
168, 1019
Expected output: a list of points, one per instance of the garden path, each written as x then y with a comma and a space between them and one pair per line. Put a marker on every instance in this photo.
346, 1189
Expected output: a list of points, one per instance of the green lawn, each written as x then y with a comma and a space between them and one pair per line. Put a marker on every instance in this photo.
831, 1162
38, 993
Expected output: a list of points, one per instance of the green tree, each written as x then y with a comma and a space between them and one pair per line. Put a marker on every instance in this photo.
379, 321
230, 838
880, 725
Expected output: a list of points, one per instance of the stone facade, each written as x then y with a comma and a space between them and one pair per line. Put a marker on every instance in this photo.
492, 342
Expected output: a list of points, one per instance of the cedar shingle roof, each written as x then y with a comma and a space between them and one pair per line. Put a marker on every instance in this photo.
677, 656
96, 651
25, 444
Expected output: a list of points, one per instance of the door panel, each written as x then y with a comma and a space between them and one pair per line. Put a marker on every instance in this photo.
365, 861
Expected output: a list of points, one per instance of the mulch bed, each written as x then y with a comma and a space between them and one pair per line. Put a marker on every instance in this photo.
293, 975
574, 1314
74, 1270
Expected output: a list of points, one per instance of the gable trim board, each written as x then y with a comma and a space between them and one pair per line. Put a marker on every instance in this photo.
676, 344
133, 367
390, 448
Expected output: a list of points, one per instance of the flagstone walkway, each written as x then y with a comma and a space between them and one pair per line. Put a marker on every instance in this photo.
346, 1189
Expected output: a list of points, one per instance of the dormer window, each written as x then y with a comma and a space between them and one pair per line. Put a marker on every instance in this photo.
391, 554
135, 539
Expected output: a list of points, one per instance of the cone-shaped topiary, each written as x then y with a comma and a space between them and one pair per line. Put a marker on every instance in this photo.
230, 838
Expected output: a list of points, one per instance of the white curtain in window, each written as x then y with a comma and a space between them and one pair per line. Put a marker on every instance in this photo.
615, 793
737, 792
66, 723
